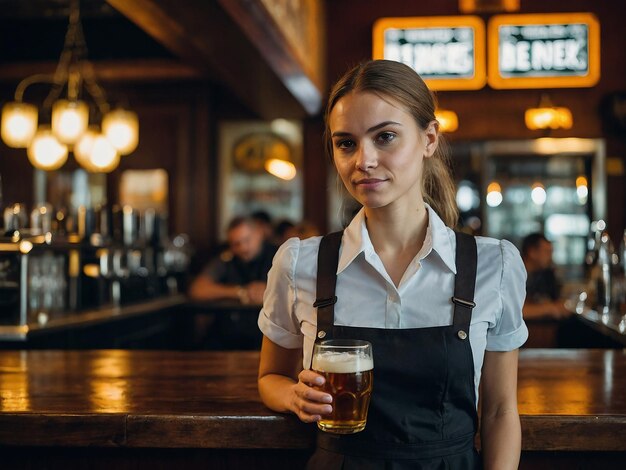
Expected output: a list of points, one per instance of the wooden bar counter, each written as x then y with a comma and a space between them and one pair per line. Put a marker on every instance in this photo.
169, 409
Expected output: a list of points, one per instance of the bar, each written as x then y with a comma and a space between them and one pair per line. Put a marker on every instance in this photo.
571, 407
155, 157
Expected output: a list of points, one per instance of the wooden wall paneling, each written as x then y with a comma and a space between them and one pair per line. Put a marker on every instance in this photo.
202, 177
314, 166
177, 134
16, 174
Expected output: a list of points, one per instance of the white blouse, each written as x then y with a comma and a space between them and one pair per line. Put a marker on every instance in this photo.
367, 297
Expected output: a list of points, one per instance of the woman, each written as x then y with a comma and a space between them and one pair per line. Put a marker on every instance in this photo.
405, 282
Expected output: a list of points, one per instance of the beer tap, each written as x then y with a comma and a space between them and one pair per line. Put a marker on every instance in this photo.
605, 278
620, 280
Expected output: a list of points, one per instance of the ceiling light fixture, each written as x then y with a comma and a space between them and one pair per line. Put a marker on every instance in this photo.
67, 119
448, 120
547, 116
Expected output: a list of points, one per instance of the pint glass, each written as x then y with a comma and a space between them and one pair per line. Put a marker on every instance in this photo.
347, 366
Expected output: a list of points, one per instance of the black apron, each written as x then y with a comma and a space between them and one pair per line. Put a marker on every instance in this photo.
422, 413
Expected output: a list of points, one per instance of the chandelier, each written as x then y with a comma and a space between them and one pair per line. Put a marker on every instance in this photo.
65, 120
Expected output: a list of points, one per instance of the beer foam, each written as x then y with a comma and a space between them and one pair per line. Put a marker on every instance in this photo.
342, 363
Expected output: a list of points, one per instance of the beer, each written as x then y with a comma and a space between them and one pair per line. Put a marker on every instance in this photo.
348, 370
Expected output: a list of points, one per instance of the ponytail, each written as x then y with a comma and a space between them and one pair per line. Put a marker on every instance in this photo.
438, 188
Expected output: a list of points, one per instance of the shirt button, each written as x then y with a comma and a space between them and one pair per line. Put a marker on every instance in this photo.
321, 334
462, 334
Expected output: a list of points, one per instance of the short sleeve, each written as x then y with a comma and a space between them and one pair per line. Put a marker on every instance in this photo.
277, 319
510, 331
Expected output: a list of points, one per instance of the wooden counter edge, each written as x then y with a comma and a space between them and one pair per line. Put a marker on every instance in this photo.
573, 433
107, 313
232, 432
63, 430
539, 433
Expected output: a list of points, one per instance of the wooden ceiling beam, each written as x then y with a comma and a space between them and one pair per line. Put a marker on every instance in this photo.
204, 36
292, 55
143, 70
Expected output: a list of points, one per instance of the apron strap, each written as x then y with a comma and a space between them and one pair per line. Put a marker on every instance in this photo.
464, 283
327, 261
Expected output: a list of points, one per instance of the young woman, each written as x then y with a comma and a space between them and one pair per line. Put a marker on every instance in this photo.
442, 310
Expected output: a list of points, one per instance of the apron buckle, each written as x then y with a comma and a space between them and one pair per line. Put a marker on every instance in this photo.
463, 302
321, 303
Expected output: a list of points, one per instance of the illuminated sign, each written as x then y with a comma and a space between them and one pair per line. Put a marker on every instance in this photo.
447, 51
544, 51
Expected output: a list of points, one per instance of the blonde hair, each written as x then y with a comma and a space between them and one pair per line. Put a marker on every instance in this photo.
403, 84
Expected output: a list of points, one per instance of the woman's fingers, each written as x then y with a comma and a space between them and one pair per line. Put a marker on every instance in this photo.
311, 404
311, 378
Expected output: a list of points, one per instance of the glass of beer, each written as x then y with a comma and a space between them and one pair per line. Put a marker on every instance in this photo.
347, 366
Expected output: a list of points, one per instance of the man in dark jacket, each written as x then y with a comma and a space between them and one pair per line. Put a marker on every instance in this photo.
543, 296
238, 274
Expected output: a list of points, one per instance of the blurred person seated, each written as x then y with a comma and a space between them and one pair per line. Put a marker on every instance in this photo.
237, 274
543, 290
264, 220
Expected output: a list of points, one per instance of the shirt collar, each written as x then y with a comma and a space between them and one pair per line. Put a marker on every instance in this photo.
442, 239
356, 240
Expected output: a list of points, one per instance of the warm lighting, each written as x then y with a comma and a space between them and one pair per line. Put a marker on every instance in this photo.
95, 153
45, 151
25, 247
281, 168
19, 124
91, 270
582, 190
67, 119
546, 116
494, 194
122, 129
494, 187
448, 120
104, 158
82, 149
488, 6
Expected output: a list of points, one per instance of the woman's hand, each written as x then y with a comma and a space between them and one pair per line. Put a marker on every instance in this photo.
308, 402
285, 387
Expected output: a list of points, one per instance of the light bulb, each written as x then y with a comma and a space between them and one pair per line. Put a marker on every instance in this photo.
82, 149
69, 120
45, 151
538, 194
19, 124
281, 169
552, 117
448, 120
121, 127
494, 194
103, 156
